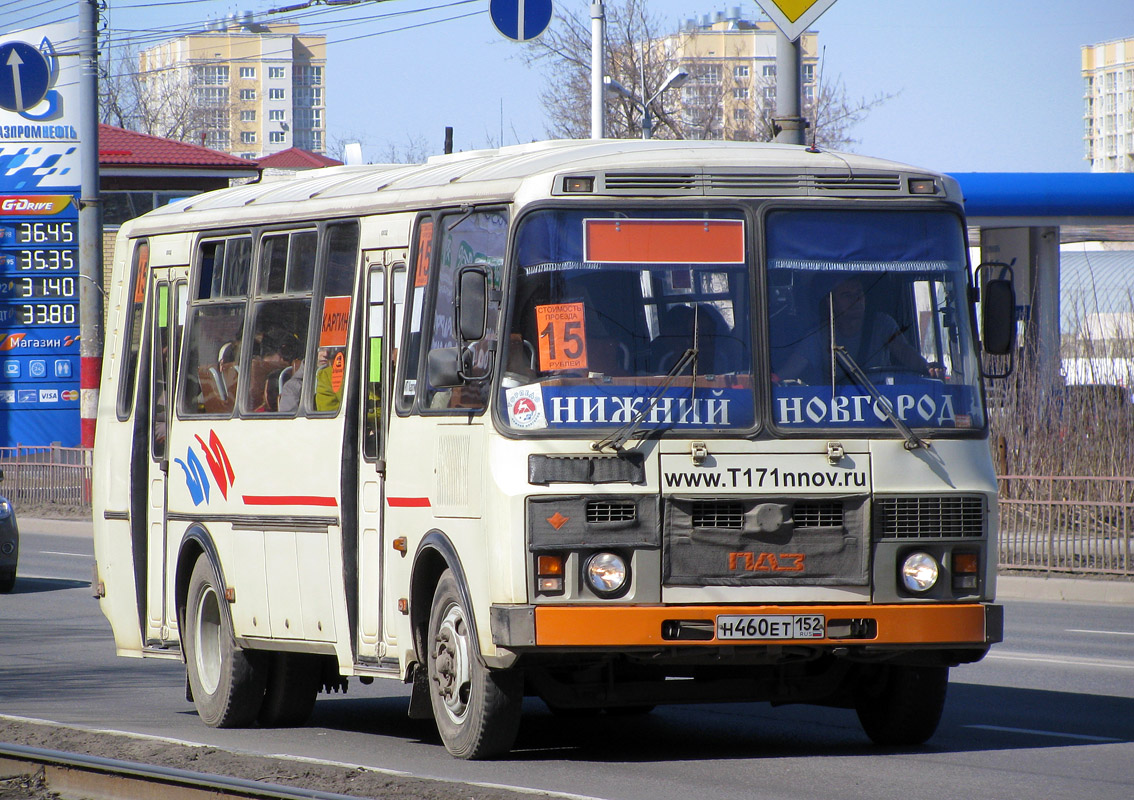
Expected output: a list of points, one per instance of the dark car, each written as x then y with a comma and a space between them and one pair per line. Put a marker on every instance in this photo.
9, 544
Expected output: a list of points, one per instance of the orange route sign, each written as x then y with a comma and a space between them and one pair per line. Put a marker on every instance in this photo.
793, 17
562, 336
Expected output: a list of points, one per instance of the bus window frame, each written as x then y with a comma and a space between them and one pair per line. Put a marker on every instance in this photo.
318, 298
457, 215
404, 404
884, 430
195, 302
750, 211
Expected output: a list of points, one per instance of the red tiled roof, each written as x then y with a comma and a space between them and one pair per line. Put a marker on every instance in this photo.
295, 158
120, 147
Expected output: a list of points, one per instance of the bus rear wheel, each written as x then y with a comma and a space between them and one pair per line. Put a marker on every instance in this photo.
477, 710
227, 682
902, 705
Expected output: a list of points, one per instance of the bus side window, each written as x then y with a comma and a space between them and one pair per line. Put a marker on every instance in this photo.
281, 316
405, 392
372, 367
216, 325
139, 277
338, 279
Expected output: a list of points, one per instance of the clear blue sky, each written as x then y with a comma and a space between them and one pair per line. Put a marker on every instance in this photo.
980, 85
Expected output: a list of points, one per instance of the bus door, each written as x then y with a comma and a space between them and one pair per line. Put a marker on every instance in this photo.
167, 315
384, 294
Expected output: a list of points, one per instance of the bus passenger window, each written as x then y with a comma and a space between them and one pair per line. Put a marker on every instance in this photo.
205, 389
338, 280
216, 327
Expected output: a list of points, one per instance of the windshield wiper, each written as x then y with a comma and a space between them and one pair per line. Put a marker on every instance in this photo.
913, 441
623, 434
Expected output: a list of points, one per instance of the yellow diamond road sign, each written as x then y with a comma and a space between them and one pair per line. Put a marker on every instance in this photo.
793, 17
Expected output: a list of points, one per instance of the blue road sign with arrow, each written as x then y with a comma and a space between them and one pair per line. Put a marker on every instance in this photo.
520, 20
25, 76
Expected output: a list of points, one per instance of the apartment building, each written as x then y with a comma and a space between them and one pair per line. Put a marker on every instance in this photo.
1108, 105
732, 64
246, 88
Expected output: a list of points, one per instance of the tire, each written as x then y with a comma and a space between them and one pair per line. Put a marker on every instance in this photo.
7, 581
293, 683
903, 707
227, 681
477, 710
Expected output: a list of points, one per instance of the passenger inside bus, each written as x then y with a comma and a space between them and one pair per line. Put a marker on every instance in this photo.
279, 351
869, 335
719, 351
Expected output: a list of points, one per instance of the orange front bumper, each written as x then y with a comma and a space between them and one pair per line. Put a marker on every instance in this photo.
643, 626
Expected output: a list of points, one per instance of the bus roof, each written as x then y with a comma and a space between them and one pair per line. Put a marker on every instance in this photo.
622, 167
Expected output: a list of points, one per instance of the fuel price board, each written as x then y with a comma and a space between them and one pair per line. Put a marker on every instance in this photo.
39, 317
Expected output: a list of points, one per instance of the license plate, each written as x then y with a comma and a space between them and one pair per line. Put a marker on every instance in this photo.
770, 626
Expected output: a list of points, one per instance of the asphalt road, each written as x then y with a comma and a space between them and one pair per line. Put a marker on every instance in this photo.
1049, 714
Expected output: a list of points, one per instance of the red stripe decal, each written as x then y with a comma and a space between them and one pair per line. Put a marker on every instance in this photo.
288, 500
407, 502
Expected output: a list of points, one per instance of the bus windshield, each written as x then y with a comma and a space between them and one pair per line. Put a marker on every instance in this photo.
629, 318
869, 309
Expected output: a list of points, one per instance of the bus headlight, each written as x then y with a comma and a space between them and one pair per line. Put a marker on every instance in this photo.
606, 573
920, 572
5, 508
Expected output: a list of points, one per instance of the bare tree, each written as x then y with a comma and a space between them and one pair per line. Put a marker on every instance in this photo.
714, 104
184, 105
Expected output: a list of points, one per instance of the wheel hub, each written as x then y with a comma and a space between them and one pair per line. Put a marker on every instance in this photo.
451, 663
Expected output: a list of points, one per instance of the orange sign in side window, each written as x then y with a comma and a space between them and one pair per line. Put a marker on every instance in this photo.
338, 369
336, 319
142, 254
424, 251
562, 337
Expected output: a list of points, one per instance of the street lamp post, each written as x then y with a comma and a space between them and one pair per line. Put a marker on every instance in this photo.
673, 81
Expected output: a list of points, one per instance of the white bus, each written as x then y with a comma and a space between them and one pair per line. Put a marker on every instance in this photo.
607, 423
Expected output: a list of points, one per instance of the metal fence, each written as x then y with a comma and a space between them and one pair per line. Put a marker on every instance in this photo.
1047, 524
1067, 524
46, 475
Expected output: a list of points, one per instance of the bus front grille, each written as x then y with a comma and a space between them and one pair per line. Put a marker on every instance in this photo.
928, 517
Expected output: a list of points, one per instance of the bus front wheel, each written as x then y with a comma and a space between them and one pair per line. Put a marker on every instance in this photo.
227, 682
477, 710
902, 705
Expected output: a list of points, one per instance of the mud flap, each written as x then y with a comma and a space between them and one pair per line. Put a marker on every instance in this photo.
419, 705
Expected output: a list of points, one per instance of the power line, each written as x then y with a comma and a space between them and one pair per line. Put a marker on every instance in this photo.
207, 48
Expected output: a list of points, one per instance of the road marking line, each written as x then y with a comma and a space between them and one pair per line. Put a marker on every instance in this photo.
1056, 734
1063, 662
72, 555
1107, 633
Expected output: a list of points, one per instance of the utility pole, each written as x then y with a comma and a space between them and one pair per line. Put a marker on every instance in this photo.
598, 45
90, 225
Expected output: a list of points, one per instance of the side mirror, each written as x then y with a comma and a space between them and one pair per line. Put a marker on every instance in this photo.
472, 303
444, 367
998, 317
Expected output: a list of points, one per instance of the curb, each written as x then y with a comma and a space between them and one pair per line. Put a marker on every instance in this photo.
1074, 590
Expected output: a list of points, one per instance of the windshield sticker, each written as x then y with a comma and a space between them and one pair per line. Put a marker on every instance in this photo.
525, 407
562, 337
676, 408
664, 241
919, 406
